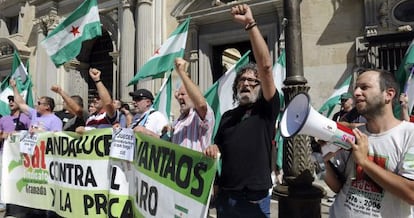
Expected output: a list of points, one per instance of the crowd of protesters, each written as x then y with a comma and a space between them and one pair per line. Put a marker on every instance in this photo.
245, 134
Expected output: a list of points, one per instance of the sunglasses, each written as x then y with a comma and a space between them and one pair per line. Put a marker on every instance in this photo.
250, 81
41, 103
138, 99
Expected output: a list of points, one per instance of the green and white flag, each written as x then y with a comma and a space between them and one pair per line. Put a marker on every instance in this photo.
65, 41
334, 99
163, 59
23, 83
279, 75
405, 77
220, 95
162, 101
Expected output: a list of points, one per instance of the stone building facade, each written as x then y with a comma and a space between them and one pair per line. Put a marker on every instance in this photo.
338, 37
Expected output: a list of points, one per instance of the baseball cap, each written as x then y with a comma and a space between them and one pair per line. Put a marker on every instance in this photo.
142, 93
346, 96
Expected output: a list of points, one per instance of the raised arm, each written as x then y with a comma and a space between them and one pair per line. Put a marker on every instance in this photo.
404, 107
18, 98
72, 106
200, 104
243, 14
104, 95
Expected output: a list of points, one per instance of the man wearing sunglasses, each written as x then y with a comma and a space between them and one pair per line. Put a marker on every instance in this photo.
347, 104
42, 118
148, 120
15, 121
244, 136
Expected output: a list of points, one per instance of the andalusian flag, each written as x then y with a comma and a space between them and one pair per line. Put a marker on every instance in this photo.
220, 95
332, 101
65, 41
162, 102
279, 75
163, 59
23, 83
405, 78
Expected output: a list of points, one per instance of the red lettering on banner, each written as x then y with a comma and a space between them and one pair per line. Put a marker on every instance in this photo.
38, 159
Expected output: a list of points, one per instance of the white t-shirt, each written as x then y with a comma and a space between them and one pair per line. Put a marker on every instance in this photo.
360, 196
152, 120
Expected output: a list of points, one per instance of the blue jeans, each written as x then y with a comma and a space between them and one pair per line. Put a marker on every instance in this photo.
231, 206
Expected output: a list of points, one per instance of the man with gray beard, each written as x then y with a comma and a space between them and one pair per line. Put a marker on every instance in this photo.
244, 137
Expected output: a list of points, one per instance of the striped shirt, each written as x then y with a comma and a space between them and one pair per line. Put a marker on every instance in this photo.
101, 120
192, 132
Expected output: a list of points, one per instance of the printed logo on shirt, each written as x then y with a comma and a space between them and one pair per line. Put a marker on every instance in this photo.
364, 195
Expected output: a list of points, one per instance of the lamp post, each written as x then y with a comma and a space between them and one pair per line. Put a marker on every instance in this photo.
298, 197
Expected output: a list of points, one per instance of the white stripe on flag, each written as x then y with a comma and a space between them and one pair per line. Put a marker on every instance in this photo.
171, 45
225, 87
164, 95
62, 38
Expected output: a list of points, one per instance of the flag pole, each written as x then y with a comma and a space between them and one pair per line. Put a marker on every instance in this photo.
298, 197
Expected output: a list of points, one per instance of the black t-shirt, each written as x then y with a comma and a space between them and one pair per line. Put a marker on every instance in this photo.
64, 115
245, 137
71, 122
339, 115
353, 116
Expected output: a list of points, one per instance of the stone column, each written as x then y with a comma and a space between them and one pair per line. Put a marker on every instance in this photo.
144, 36
127, 66
297, 196
76, 85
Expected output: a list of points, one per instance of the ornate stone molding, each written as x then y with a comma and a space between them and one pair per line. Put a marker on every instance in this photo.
47, 22
139, 2
126, 3
380, 18
6, 49
383, 12
371, 31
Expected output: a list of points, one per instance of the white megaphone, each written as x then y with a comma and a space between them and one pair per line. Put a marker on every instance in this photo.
300, 118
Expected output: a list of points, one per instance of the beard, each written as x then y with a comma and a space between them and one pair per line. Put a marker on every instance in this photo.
371, 107
247, 97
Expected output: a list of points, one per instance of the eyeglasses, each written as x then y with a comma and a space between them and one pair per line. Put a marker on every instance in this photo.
250, 81
41, 103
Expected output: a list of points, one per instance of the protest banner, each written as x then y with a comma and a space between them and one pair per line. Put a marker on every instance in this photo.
75, 176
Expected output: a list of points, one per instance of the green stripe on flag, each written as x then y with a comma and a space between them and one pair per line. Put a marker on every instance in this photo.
23, 83
65, 41
77, 14
403, 77
163, 59
162, 102
220, 95
279, 75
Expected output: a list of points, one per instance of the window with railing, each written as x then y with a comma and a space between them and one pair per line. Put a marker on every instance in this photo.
387, 51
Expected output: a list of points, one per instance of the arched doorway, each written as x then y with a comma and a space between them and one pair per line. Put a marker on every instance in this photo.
96, 52
99, 58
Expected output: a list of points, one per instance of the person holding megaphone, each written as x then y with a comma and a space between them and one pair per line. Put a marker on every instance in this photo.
378, 172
